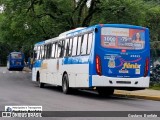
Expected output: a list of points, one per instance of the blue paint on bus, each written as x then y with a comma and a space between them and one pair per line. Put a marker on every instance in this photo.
37, 63
126, 64
76, 60
15, 61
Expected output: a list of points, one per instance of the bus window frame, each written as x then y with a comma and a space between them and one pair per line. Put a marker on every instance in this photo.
91, 43
86, 53
70, 45
70, 40
66, 49
62, 48
53, 57
76, 46
48, 51
40, 55
79, 46
56, 50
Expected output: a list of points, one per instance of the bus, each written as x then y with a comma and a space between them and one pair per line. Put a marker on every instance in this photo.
15, 61
104, 57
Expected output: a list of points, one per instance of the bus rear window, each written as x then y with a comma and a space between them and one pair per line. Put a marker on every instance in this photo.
122, 38
16, 56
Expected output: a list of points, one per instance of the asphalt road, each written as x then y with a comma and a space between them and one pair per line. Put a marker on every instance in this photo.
16, 88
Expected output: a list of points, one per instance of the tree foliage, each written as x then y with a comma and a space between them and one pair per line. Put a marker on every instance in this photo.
24, 22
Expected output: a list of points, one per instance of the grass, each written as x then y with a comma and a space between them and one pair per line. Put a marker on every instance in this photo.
155, 86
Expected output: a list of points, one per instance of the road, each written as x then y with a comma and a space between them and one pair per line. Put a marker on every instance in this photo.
16, 88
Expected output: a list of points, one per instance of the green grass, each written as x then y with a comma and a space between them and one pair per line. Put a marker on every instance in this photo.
155, 86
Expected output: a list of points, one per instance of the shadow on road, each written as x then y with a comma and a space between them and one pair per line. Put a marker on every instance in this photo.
91, 94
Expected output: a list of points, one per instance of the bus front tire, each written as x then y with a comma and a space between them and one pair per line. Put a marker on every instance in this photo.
104, 92
40, 84
65, 84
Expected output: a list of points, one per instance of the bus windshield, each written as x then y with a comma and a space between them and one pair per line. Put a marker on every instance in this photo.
16, 55
122, 38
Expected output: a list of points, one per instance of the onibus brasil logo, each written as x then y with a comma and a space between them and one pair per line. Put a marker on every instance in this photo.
22, 111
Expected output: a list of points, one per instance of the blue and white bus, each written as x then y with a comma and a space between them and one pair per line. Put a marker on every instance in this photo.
15, 61
104, 56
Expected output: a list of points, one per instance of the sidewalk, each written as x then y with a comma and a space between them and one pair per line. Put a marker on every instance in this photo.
27, 69
148, 94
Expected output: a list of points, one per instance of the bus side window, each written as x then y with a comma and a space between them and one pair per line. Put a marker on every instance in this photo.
60, 48
74, 49
66, 48
70, 46
48, 52
53, 50
84, 45
90, 39
42, 52
56, 49
79, 45
45, 52
38, 52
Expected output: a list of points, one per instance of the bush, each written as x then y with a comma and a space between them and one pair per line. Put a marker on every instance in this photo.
155, 86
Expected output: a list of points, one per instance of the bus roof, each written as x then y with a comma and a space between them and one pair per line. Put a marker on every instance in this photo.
91, 28
121, 25
40, 43
80, 30
46, 41
64, 34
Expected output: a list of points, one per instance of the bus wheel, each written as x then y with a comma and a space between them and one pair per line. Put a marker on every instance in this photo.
105, 91
65, 84
40, 84
9, 69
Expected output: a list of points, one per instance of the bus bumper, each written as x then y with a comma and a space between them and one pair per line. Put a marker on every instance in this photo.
103, 81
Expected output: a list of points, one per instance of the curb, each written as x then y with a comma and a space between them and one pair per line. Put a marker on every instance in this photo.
155, 98
27, 69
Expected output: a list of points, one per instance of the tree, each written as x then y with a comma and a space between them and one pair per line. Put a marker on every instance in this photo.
121, 11
25, 22
153, 22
